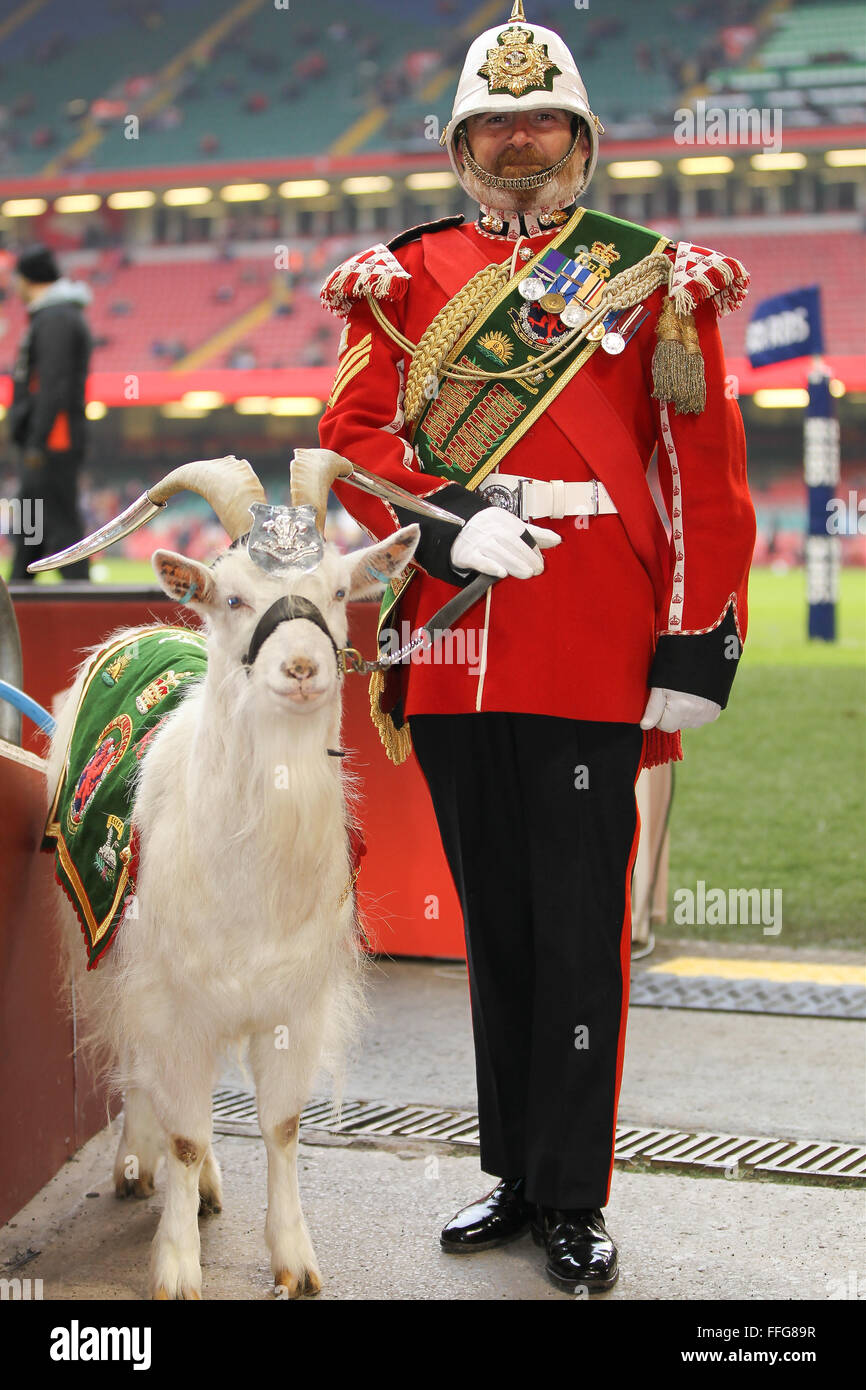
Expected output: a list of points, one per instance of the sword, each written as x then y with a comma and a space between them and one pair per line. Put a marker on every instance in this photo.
463, 600
389, 492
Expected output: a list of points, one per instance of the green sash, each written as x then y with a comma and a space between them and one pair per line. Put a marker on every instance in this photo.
130, 688
470, 425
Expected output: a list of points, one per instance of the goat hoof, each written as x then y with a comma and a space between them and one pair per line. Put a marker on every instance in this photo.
162, 1295
209, 1204
287, 1285
134, 1187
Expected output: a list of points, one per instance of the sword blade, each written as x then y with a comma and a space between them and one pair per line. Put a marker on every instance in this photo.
124, 525
390, 492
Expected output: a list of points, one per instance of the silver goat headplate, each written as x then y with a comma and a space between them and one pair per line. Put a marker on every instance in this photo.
284, 538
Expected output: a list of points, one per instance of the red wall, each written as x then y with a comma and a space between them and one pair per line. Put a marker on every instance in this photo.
50, 1104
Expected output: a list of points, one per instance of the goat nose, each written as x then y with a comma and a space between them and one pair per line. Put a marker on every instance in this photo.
301, 668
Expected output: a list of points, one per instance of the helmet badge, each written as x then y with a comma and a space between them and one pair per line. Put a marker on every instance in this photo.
518, 65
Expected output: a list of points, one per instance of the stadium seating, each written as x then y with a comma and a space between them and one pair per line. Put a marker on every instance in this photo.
230, 80
811, 63
778, 263
176, 303
151, 315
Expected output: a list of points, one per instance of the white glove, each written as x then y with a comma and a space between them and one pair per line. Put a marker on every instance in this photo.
490, 543
670, 710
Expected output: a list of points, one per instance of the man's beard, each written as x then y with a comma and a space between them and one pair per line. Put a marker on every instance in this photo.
558, 192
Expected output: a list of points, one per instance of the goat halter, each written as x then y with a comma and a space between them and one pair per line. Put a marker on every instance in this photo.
285, 610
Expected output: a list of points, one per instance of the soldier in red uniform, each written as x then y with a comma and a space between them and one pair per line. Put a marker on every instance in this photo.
566, 346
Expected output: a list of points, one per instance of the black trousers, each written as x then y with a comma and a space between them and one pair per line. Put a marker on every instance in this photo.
539, 825
51, 497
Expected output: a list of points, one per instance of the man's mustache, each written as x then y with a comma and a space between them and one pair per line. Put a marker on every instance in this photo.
520, 157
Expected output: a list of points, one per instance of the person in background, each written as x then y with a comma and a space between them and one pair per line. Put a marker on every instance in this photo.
46, 419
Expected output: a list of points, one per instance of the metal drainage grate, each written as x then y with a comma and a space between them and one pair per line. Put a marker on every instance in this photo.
657, 990
819, 1160
234, 1112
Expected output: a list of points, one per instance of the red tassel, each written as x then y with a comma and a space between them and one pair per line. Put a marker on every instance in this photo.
660, 748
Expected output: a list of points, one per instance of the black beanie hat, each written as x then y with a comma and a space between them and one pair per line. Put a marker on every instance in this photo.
37, 264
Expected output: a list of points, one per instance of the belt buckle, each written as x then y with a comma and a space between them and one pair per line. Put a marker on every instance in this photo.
509, 499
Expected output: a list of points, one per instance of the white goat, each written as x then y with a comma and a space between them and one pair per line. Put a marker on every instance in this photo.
244, 927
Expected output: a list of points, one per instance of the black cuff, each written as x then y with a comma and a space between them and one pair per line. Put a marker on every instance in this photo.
702, 663
437, 537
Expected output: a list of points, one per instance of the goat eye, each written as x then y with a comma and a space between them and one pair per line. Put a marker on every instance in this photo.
341, 593
234, 601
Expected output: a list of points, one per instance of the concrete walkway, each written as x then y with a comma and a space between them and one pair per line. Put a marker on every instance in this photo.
375, 1209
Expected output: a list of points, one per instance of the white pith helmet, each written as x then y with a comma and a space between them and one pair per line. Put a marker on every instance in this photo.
525, 67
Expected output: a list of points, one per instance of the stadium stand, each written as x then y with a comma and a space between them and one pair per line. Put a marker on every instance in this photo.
811, 64
208, 82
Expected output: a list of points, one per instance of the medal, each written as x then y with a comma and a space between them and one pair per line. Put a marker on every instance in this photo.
596, 333
613, 343
552, 302
532, 287
574, 315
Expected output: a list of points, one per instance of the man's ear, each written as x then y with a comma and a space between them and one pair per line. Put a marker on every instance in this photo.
373, 568
185, 581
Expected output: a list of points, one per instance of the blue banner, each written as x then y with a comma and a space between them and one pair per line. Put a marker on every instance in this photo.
788, 325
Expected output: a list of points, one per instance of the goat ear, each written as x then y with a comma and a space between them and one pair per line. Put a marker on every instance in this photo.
185, 581
372, 568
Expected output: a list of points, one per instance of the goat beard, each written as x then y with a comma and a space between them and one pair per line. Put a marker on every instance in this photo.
558, 192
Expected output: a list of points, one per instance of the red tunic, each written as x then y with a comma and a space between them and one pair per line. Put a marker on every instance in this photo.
582, 639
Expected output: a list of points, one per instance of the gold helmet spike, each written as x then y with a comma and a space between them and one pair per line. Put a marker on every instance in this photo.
517, 12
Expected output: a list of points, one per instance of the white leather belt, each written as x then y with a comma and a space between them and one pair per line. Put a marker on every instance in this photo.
529, 498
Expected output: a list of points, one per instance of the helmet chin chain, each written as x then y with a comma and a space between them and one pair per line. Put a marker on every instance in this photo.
527, 182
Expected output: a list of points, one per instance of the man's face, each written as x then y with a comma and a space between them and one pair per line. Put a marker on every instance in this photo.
513, 145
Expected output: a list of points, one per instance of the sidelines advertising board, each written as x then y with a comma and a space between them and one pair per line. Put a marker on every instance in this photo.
786, 326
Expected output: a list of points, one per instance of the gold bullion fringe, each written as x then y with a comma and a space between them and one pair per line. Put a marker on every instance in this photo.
446, 329
678, 366
397, 742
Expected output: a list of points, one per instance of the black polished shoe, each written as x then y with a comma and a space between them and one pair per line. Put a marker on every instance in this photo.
502, 1216
579, 1249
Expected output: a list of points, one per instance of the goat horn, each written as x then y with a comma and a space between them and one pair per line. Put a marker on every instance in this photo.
313, 472
228, 484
